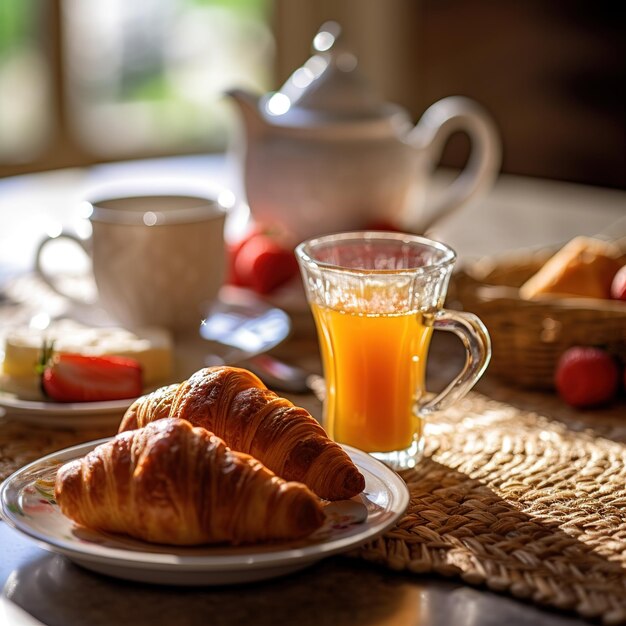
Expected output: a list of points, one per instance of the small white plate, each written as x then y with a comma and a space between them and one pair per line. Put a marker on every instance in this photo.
64, 414
27, 504
238, 325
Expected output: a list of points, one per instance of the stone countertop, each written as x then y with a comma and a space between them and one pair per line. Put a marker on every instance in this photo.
44, 588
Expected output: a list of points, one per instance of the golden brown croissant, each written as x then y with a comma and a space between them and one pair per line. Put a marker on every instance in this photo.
235, 405
174, 483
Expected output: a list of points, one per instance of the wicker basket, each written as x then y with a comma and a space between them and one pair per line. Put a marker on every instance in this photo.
528, 337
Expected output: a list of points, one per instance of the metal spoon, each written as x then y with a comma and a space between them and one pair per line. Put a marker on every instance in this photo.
236, 329
281, 376
239, 330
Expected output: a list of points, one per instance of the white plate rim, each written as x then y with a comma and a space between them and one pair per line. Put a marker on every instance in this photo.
13, 405
67, 414
170, 562
76, 415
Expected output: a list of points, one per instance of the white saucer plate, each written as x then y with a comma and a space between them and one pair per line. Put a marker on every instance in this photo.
64, 414
27, 504
239, 325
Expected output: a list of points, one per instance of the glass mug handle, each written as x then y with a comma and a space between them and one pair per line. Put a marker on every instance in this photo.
475, 338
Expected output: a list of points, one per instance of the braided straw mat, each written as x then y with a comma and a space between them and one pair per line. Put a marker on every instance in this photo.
504, 498
516, 502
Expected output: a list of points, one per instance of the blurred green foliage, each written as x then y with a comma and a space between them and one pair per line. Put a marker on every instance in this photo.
18, 24
257, 8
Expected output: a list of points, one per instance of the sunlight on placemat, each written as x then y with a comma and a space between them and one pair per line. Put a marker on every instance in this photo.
518, 503
504, 498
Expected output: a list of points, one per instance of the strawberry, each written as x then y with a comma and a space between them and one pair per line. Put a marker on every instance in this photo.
78, 378
586, 376
233, 249
618, 286
263, 263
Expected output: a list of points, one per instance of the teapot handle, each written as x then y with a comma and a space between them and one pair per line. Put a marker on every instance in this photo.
437, 124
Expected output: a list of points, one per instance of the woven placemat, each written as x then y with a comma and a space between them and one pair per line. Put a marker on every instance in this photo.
505, 498
21, 443
512, 501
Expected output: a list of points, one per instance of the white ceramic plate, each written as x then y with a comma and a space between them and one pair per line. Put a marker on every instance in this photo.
27, 504
64, 414
237, 326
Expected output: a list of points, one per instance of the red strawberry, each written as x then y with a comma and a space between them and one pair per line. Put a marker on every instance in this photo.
263, 264
586, 376
618, 286
79, 378
233, 249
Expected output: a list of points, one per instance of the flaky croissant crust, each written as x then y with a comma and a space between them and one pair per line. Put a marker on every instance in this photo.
234, 404
172, 483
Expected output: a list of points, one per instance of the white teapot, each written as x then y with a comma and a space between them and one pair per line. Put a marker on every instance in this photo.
324, 154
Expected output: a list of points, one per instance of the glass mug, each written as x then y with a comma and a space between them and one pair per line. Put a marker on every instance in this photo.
376, 297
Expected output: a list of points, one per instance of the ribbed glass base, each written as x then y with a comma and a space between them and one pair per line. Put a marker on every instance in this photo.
402, 459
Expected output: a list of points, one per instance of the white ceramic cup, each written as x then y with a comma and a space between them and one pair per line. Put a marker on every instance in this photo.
157, 260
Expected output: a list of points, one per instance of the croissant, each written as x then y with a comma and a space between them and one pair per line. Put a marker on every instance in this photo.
235, 405
175, 484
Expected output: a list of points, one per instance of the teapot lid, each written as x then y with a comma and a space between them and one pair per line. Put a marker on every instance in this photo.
327, 89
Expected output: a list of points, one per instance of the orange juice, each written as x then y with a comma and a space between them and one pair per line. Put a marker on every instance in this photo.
374, 365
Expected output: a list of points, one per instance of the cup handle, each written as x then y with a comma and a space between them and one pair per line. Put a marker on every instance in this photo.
45, 276
437, 124
473, 333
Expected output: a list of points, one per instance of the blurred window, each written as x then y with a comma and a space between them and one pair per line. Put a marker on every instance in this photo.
25, 90
124, 79
148, 75
88, 81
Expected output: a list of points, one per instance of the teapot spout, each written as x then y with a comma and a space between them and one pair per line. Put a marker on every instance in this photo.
248, 107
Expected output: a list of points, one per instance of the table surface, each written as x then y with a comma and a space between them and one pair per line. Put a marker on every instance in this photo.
41, 587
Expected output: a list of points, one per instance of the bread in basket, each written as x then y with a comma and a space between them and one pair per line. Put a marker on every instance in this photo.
530, 334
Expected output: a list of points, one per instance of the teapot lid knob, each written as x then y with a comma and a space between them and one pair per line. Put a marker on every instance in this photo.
328, 88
